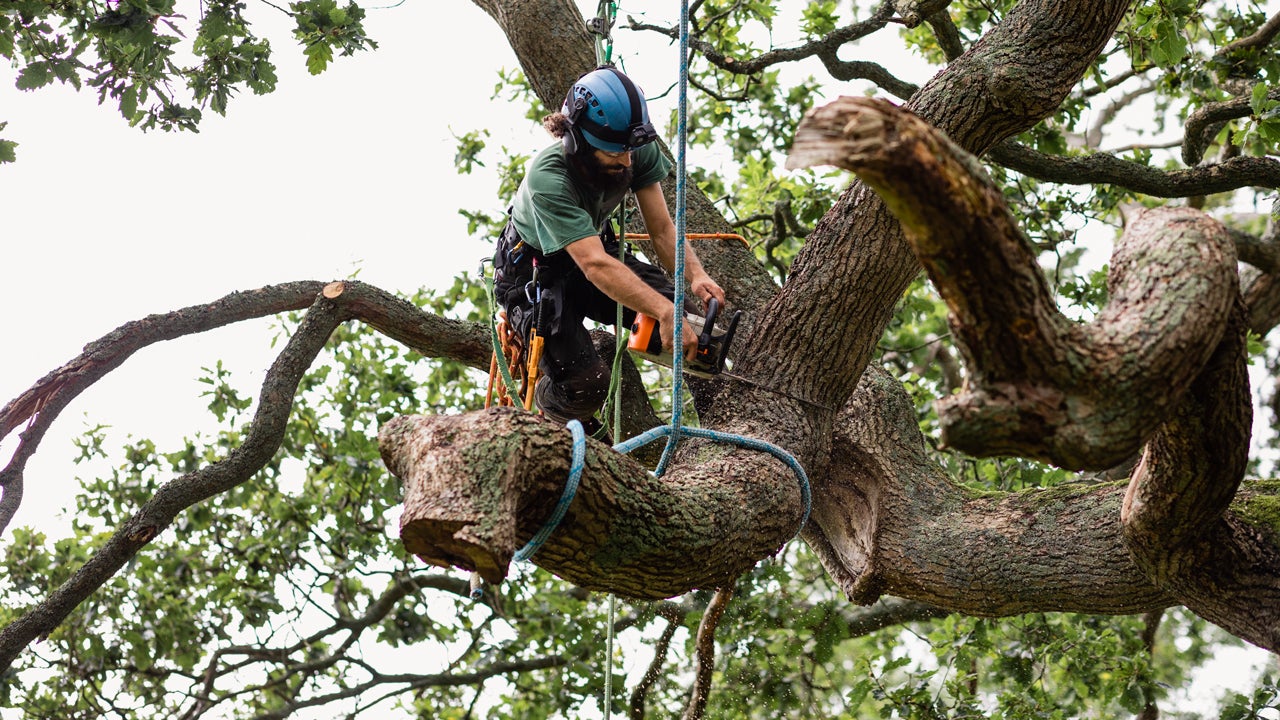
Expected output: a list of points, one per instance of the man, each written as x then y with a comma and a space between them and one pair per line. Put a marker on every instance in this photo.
556, 224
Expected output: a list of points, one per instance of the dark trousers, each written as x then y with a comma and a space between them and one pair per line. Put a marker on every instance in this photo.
577, 378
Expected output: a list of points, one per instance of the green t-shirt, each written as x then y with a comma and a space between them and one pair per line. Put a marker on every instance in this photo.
551, 209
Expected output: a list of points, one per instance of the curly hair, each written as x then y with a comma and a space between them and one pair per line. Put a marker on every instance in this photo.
557, 124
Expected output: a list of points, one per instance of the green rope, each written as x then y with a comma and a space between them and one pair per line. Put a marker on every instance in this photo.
612, 412
608, 666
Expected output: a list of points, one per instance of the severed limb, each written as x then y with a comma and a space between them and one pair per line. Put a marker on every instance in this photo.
1081, 396
478, 486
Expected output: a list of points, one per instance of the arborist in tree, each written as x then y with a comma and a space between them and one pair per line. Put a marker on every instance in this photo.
557, 259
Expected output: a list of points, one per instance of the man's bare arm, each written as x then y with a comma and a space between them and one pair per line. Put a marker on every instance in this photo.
653, 208
618, 282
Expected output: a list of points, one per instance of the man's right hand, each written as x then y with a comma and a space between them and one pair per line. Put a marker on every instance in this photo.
689, 339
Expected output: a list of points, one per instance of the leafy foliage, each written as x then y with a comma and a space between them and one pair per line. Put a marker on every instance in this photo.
293, 588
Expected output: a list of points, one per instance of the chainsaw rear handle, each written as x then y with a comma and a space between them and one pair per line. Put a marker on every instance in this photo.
704, 340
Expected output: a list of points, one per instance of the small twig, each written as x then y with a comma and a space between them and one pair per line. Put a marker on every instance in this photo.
653, 672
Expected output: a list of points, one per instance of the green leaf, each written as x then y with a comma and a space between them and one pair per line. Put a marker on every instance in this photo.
7, 154
319, 55
34, 76
129, 102
1258, 99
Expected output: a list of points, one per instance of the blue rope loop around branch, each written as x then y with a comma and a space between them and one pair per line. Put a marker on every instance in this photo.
649, 436
566, 497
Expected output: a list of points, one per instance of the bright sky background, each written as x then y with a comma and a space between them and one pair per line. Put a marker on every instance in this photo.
352, 169
349, 170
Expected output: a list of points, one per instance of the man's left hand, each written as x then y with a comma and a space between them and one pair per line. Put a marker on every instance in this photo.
705, 288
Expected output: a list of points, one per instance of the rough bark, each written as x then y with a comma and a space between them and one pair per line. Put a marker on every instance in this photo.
479, 486
1081, 396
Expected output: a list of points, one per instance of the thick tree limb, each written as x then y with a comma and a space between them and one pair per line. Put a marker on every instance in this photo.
1079, 396
479, 485
1222, 566
890, 523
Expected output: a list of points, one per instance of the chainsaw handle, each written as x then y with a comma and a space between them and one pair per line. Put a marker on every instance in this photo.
704, 340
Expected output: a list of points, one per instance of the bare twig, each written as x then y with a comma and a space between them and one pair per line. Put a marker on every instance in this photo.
654, 671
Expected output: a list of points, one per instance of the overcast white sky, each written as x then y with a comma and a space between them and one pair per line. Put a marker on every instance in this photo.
103, 224
350, 169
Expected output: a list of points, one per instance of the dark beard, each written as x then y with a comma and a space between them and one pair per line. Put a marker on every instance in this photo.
590, 171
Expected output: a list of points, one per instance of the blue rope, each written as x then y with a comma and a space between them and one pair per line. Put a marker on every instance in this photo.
675, 431
566, 497
677, 350
649, 436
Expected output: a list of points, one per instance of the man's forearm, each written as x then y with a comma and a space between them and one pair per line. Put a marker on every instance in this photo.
622, 285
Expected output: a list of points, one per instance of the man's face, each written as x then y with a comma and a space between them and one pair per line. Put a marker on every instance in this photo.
613, 163
608, 173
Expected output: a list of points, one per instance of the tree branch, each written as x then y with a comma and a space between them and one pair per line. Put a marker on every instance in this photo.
828, 43
265, 433
626, 532
1261, 38
1175, 510
340, 301
1105, 169
706, 651
1078, 396
890, 522
653, 672
1203, 124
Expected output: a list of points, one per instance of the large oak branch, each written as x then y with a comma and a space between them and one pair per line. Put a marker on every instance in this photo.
888, 521
1182, 528
1042, 386
480, 485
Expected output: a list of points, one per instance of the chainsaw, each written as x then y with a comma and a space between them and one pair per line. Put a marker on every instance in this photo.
708, 360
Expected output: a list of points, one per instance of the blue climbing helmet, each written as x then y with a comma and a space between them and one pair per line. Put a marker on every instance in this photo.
607, 111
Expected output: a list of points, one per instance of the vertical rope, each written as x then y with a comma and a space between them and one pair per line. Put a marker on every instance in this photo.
677, 354
608, 652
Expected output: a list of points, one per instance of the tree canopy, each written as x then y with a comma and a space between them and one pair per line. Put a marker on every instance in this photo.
1032, 493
